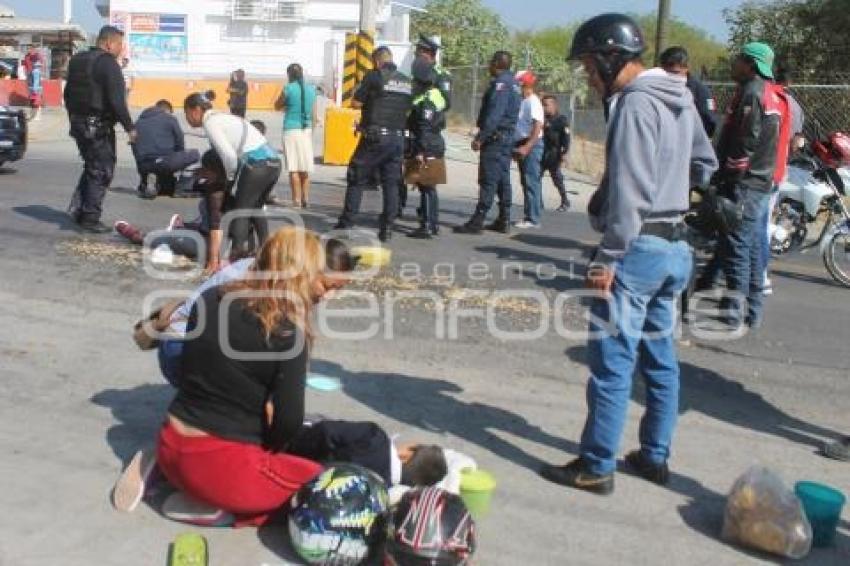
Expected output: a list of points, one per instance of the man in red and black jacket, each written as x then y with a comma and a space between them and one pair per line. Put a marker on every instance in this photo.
747, 151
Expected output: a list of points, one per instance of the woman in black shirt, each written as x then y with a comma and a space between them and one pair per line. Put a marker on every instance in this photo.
241, 398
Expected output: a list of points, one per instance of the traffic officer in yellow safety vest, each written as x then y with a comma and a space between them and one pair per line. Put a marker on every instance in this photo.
427, 47
427, 121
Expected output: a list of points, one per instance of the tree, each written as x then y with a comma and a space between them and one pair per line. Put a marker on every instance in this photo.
465, 28
810, 34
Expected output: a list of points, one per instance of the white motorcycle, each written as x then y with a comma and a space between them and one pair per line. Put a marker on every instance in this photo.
814, 189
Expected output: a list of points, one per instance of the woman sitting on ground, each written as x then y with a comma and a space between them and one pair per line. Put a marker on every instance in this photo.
251, 168
240, 398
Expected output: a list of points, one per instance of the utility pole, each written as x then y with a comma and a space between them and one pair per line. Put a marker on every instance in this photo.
663, 28
368, 15
67, 11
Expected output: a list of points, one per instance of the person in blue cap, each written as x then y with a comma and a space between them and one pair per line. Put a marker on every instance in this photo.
497, 122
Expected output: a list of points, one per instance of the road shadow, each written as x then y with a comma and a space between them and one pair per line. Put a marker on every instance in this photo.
139, 413
48, 215
825, 281
429, 404
569, 273
7, 170
132, 191
554, 242
708, 392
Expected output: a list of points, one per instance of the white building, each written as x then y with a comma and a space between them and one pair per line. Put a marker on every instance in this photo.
210, 38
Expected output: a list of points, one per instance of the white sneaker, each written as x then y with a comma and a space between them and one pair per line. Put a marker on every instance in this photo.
130, 487
526, 224
175, 223
767, 287
180, 507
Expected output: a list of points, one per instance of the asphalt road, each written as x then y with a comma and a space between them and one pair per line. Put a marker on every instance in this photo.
79, 398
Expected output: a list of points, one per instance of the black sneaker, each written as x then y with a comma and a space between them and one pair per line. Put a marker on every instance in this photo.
385, 234
650, 471
500, 226
468, 228
95, 227
565, 206
575, 474
342, 225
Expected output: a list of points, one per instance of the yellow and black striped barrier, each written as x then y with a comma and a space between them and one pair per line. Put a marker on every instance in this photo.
358, 60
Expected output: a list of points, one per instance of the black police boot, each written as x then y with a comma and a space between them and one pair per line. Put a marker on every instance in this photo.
342, 225
423, 232
500, 225
385, 233
474, 226
94, 227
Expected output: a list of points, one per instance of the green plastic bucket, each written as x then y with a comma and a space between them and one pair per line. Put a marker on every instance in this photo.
822, 505
476, 490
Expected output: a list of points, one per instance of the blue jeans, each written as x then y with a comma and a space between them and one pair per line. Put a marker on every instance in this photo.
741, 253
532, 183
641, 317
169, 354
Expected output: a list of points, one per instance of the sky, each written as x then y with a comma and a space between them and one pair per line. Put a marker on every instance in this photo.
517, 14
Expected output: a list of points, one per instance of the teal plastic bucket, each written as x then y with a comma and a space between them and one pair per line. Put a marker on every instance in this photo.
822, 505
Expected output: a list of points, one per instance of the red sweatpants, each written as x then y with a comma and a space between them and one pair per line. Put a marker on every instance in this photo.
238, 477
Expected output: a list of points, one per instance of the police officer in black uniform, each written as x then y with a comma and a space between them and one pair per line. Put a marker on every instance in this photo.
496, 124
96, 98
385, 98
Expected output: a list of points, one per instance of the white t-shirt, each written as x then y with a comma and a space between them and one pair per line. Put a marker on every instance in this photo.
530, 111
225, 132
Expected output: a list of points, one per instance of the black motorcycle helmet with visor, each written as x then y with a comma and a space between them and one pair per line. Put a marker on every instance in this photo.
612, 40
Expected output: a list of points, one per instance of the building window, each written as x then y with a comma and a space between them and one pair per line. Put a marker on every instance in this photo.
268, 10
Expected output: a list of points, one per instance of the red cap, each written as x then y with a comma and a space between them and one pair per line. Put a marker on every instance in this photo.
526, 78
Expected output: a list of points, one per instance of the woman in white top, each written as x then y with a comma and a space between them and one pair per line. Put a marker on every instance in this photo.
252, 169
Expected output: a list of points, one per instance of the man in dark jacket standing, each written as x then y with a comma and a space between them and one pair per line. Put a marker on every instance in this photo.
556, 145
95, 97
675, 61
160, 149
656, 149
747, 151
497, 122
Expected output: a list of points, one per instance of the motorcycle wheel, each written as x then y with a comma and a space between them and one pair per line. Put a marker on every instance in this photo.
836, 258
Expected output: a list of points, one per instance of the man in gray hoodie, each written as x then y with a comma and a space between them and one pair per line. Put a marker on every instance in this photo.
656, 150
160, 149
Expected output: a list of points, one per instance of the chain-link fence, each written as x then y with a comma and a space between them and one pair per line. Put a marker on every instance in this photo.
826, 104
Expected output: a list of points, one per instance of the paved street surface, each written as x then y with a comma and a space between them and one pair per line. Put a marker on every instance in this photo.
79, 397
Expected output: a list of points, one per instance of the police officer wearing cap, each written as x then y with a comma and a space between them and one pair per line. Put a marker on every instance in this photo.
497, 122
96, 99
427, 47
385, 97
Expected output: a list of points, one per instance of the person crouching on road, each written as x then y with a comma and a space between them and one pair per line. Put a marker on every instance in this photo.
556, 146
224, 442
427, 146
528, 150
252, 169
657, 149
160, 149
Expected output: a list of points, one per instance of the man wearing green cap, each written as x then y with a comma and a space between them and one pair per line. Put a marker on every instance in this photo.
747, 151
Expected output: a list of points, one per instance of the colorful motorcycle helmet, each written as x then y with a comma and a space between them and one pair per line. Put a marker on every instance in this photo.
338, 518
430, 527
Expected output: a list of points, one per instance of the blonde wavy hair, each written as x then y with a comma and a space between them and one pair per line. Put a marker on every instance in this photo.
283, 280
